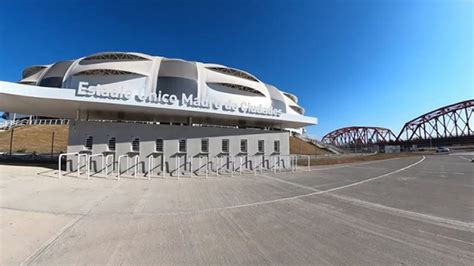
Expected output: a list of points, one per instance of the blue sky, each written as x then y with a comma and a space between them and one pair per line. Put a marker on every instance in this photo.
350, 62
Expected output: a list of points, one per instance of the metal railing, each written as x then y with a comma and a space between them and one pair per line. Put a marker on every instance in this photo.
60, 160
9, 124
200, 165
100, 155
107, 164
151, 164
218, 165
79, 166
320, 144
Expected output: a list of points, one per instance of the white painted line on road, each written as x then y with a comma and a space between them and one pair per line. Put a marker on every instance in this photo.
455, 239
467, 159
327, 184
440, 172
316, 192
289, 182
455, 163
422, 217
345, 186
467, 153
373, 178
350, 165
447, 237
369, 168
414, 215
419, 171
460, 225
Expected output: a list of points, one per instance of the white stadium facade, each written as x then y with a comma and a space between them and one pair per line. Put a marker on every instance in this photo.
155, 112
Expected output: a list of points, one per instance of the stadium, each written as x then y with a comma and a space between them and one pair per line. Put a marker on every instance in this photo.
95, 80
134, 107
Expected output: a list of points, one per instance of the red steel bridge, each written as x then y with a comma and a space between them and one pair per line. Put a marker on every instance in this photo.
359, 135
449, 124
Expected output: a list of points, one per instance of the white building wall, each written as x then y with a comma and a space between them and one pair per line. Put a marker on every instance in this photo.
125, 132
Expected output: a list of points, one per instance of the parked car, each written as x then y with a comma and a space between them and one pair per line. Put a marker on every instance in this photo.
442, 149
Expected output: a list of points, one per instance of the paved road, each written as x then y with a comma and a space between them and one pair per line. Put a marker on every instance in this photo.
412, 210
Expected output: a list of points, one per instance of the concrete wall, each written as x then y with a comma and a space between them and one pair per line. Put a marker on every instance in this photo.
126, 132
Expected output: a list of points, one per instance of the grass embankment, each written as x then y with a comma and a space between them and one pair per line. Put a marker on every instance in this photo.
298, 146
36, 138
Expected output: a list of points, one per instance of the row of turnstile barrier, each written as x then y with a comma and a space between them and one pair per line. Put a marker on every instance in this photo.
186, 166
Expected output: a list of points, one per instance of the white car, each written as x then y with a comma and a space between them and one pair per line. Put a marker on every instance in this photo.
442, 149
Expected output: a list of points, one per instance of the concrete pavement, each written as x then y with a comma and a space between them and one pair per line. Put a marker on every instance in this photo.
408, 210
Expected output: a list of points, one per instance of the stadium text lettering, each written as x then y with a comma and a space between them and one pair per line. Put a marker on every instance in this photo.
187, 100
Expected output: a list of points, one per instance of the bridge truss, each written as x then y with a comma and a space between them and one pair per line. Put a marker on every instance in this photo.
449, 124
359, 135
450, 121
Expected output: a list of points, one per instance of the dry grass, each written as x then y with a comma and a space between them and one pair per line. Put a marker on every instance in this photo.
35, 138
298, 146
